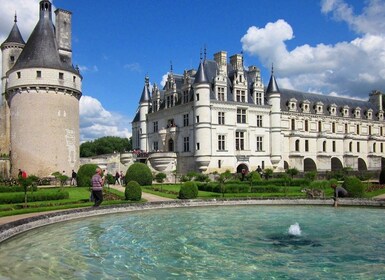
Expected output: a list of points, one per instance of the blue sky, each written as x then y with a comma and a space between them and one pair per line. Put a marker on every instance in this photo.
329, 46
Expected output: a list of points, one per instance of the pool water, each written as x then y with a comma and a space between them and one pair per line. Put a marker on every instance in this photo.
224, 242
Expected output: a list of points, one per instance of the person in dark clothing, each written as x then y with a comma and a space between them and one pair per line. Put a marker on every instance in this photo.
97, 187
73, 178
338, 192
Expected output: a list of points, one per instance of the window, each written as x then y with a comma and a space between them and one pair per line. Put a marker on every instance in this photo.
241, 96
351, 147
381, 131
358, 147
306, 145
221, 117
292, 124
319, 126
185, 96
241, 115
334, 146
38, 74
155, 126
185, 120
198, 146
186, 144
155, 146
259, 121
382, 147
259, 144
306, 125
346, 128
18, 75
296, 145
219, 163
221, 93
324, 146
168, 101
370, 130
374, 147
221, 142
258, 98
197, 119
61, 75
239, 140
197, 97
333, 127
358, 129
74, 79
12, 58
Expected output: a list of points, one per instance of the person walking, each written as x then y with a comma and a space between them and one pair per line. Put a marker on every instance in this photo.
97, 187
73, 178
117, 178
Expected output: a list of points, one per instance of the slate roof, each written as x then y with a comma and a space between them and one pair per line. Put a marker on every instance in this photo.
15, 35
41, 50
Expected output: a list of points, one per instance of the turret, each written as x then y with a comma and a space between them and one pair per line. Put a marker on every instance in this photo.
274, 98
202, 121
144, 108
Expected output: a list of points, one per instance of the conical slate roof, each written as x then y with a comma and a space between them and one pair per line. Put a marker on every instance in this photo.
200, 76
146, 92
15, 35
272, 87
41, 48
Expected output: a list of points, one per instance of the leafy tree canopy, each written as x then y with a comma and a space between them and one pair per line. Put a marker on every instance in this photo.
105, 145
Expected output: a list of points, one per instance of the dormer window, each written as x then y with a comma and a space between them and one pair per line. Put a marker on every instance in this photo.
305, 106
381, 115
319, 107
292, 105
369, 114
345, 111
357, 112
333, 109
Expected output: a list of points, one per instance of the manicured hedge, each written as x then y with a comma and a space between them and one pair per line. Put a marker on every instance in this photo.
188, 190
85, 174
17, 197
140, 173
15, 188
237, 187
133, 191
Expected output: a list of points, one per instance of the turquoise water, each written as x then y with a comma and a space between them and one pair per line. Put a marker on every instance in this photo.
226, 242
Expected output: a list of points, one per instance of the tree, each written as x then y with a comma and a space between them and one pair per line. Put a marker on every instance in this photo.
222, 178
292, 172
105, 145
268, 173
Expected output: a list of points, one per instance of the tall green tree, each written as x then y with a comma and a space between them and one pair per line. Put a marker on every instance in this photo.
105, 145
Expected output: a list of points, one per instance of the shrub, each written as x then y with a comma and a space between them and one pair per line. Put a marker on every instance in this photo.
16, 188
188, 190
354, 186
160, 177
41, 195
133, 191
85, 174
382, 177
140, 173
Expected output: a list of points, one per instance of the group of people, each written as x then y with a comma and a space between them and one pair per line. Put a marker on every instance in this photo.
119, 178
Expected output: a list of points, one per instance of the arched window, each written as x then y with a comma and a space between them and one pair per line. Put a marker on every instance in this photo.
297, 145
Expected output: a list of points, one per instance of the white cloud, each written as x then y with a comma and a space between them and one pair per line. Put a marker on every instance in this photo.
350, 68
96, 122
164, 79
133, 67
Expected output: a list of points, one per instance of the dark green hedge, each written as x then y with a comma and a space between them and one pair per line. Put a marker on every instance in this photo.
237, 187
17, 197
140, 173
85, 174
188, 190
133, 191
15, 188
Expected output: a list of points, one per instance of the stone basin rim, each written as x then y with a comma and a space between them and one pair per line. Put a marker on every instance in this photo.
14, 228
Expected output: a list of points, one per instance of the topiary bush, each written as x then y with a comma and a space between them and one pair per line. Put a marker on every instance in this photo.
85, 174
159, 177
140, 173
382, 177
133, 191
188, 190
354, 186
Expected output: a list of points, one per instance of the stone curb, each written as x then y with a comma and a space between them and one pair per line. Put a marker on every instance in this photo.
11, 229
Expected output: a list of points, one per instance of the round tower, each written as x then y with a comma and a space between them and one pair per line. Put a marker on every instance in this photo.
202, 119
274, 98
43, 93
144, 107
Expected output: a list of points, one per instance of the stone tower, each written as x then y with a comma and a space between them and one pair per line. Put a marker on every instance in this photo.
42, 91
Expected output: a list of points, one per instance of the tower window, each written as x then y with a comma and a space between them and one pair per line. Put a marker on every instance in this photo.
61, 76
12, 58
38, 74
18, 75
74, 79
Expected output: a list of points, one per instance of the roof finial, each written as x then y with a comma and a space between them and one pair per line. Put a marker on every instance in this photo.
272, 69
200, 55
15, 20
205, 53
171, 66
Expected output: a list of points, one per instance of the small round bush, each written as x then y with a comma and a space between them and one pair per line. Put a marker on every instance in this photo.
382, 177
354, 186
133, 191
140, 173
85, 174
159, 177
188, 190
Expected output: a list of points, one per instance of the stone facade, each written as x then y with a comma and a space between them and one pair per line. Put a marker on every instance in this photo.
41, 91
221, 117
